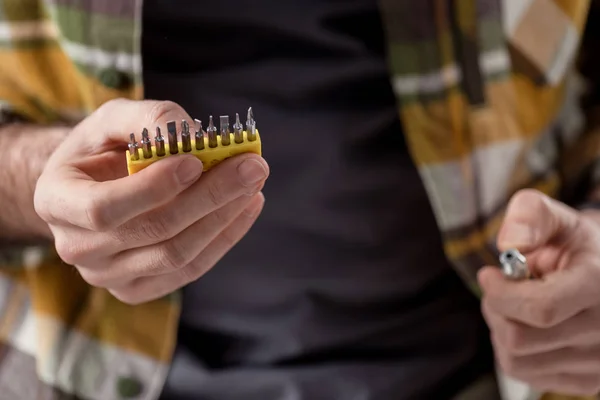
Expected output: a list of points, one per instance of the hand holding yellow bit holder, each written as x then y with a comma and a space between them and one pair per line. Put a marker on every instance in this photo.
209, 146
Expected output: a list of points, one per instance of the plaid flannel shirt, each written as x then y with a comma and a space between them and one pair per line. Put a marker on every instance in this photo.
486, 91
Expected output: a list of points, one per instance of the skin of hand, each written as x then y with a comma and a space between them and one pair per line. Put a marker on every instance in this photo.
143, 236
546, 331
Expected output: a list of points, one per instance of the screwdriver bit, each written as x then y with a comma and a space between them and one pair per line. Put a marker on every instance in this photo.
159, 141
133, 148
146, 144
225, 133
250, 126
238, 130
514, 265
186, 140
172, 131
211, 131
199, 135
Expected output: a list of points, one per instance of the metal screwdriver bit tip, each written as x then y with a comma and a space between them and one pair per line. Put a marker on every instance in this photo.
514, 265
238, 130
186, 140
199, 135
250, 126
133, 148
146, 144
172, 131
159, 141
225, 133
211, 131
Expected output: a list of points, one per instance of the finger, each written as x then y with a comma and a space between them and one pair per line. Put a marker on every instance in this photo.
568, 384
100, 206
238, 176
241, 175
561, 361
532, 219
111, 124
541, 303
149, 288
521, 340
171, 255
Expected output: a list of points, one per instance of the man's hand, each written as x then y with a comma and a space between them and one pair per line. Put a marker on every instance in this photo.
546, 332
146, 235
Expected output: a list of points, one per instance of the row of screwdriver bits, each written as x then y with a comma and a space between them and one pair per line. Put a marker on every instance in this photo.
200, 134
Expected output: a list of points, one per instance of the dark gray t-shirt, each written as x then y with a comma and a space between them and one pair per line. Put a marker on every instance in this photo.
341, 290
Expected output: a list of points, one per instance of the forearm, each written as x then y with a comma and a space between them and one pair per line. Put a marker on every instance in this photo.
24, 150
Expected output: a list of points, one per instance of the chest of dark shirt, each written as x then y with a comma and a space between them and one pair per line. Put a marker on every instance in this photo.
347, 248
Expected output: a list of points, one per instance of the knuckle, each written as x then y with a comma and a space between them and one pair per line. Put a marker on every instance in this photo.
220, 217
214, 192
188, 273
513, 338
162, 110
97, 218
69, 250
229, 238
46, 206
544, 312
172, 256
156, 228
41, 206
110, 105
192, 272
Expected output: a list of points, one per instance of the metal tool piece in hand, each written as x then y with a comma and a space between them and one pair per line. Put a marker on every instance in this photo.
225, 133
210, 146
211, 131
186, 139
514, 265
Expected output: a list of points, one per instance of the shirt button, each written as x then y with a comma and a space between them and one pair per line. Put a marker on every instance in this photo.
114, 79
129, 387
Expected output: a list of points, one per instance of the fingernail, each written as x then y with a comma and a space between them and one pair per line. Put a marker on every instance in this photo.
517, 235
254, 208
251, 172
189, 170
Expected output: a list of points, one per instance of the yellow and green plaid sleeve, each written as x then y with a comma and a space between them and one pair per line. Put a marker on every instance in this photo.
61, 59
59, 337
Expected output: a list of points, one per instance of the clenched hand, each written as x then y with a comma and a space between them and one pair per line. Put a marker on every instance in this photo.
546, 332
146, 235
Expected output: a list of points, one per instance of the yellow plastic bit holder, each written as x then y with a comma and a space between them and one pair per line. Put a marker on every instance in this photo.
210, 156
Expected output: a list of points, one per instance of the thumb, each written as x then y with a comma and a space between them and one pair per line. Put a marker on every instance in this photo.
532, 219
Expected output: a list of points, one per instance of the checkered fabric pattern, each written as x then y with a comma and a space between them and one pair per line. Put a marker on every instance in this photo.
485, 91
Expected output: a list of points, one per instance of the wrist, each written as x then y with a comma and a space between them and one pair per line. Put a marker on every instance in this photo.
24, 149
